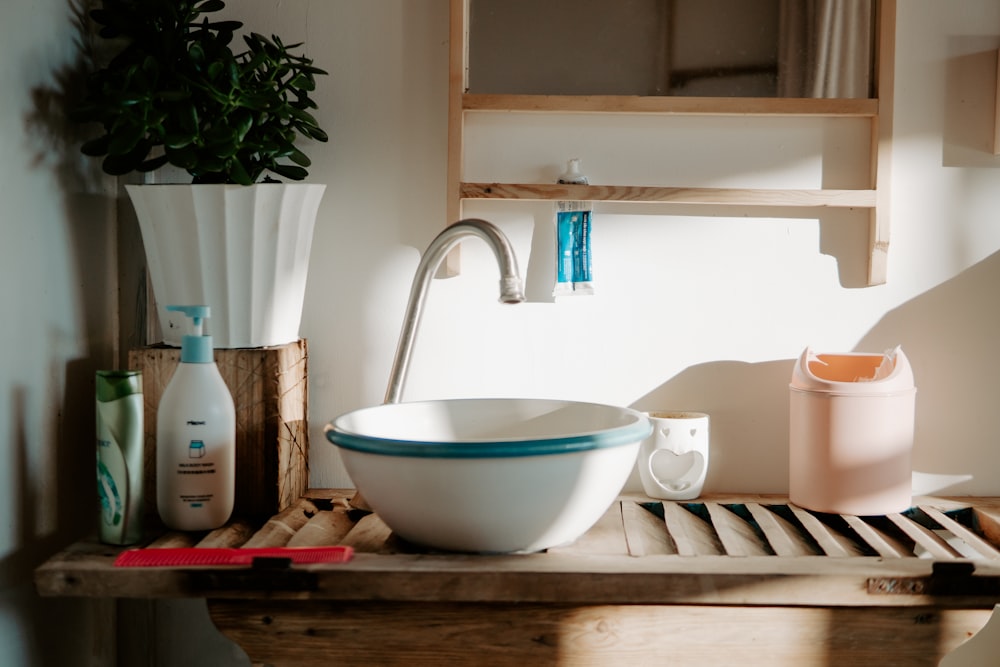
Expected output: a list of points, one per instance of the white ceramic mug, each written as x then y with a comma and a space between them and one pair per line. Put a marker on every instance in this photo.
673, 460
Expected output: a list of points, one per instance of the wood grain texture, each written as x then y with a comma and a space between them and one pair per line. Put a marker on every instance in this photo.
886, 545
641, 552
644, 531
270, 390
832, 541
880, 145
672, 195
738, 537
283, 526
977, 543
924, 537
320, 634
607, 536
700, 106
784, 538
692, 535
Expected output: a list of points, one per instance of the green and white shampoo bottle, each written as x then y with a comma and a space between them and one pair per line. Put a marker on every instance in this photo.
195, 437
119, 456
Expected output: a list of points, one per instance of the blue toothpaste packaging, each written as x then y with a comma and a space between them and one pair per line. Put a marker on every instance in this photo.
574, 273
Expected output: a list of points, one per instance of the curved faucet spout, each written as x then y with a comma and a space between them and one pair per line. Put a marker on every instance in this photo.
511, 290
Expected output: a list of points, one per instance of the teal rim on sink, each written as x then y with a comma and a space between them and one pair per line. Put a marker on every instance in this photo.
487, 428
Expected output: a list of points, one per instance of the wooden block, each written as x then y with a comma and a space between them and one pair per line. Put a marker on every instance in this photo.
270, 389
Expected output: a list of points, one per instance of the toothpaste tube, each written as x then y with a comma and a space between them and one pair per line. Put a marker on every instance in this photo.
574, 274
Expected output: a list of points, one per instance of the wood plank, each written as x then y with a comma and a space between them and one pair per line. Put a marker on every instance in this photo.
233, 534
880, 145
645, 533
280, 528
543, 578
386, 569
884, 544
831, 541
324, 529
173, 539
988, 521
678, 105
737, 536
672, 195
926, 538
311, 634
692, 535
369, 535
978, 544
607, 536
784, 538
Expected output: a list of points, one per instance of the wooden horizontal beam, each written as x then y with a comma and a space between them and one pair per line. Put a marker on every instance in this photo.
710, 106
672, 195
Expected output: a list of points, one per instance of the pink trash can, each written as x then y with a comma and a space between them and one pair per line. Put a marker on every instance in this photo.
851, 433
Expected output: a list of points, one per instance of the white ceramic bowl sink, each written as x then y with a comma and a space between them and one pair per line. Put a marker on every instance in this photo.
489, 475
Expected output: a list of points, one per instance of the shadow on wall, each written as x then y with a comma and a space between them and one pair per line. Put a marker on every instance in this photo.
747, 406
843, 235
949, 334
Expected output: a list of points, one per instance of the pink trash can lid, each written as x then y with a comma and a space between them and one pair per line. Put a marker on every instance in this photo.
854, 373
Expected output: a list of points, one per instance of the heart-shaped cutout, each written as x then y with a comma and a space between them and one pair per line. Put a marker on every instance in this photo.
676, 472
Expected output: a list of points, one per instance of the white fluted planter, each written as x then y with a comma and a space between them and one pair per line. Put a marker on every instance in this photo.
241, 250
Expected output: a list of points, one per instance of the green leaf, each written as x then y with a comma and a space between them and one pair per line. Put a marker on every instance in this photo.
152, 164
196, 52
316, 134
239, 174
96, 147
303, 116
289, 171
178, 140
118, 165
211, 6
303, 82
299, 158
222, 116
125, 139
225, 26
242, 121
215, 69
185, 157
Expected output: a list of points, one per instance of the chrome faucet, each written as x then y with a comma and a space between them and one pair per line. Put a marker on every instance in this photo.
511, 290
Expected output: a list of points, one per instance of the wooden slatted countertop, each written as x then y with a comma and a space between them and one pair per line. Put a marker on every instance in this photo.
731, 550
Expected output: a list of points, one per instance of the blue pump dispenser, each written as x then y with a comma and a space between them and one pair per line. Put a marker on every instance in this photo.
195, 348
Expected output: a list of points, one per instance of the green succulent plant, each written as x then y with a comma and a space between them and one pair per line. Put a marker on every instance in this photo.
177, 93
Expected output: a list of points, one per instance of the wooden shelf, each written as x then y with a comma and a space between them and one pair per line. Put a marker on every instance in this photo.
878, 111
711, 196
648, 551
700, 106
720, 580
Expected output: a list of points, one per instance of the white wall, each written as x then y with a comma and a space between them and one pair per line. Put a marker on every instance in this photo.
692, 312
57, 297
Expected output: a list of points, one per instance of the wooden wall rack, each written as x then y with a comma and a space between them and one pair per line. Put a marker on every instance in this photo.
878, 110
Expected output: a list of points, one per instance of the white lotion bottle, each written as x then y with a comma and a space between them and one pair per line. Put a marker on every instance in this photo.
195, 437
